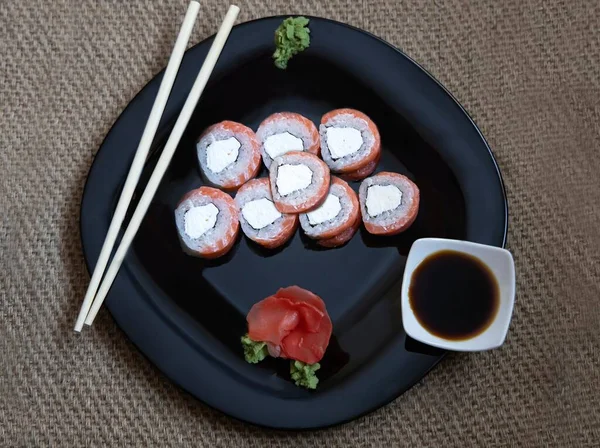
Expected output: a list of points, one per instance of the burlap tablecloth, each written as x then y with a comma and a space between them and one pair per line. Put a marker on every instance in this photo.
528, 72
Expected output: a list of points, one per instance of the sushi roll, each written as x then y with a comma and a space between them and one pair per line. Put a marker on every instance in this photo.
361, 173
336, 214
389, 203
283, 132
229, 154
207, 222
341, 238
299, 181
349, 140
260, 220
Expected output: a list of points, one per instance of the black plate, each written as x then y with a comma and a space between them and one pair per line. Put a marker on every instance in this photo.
187, 315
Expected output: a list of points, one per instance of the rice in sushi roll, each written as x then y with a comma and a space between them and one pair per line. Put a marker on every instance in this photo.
349, 140
260, 220
389, 203
229, 154
207, 222
336, 214
299, 181
283, 132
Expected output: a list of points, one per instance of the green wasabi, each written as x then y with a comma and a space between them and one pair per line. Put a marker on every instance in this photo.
291, 37
304, 374
254, 352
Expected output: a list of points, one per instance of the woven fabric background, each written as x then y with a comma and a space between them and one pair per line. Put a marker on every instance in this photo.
529, 73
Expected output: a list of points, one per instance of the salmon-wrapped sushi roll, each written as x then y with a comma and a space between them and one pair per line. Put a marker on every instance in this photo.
299, 181
229, 154
207, 222
361, 173
260, 220
349, 140
343, 237
336, 214
389, 203
283, 132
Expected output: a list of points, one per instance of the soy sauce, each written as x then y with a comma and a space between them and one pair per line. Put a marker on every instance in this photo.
454, 295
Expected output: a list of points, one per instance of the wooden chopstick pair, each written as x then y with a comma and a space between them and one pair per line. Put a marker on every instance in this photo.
97, 291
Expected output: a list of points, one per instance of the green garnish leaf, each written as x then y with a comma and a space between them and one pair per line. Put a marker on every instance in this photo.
254, 351
291, 37
301, 21
304, 374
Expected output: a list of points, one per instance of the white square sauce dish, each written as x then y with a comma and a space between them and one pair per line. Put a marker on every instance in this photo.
458, 295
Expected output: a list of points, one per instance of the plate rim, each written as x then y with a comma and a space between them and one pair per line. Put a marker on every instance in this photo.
400, 53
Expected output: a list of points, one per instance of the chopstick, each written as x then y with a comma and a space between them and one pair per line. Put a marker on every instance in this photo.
165, 158
140, 157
